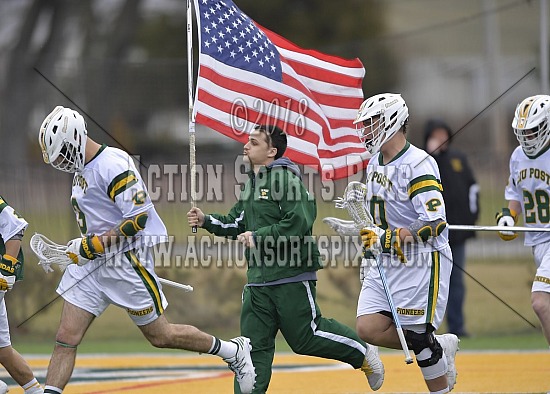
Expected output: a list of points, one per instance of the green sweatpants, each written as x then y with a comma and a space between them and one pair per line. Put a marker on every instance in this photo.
292, 309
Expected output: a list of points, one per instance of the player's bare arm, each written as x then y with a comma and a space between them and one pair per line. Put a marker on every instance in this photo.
13, 246
515, 206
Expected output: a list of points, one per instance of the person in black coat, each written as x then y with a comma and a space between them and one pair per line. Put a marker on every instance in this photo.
460, 192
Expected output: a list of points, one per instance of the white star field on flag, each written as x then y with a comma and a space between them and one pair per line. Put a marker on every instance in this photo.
231, 37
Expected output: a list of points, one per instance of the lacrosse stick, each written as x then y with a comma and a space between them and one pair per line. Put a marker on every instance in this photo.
49, 252
341, 226
518, 229
354, 201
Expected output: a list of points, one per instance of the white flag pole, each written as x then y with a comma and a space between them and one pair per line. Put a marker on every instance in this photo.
192, 161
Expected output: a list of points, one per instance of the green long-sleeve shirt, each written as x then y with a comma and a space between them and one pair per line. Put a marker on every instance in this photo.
275, 206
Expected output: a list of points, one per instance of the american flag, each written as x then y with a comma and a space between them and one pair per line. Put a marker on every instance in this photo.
249, 75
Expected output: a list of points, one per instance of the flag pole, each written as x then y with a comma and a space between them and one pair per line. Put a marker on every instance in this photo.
192, 160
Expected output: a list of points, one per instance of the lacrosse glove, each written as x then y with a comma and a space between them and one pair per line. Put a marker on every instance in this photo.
382, 241
507, 217
8, 269
82, 250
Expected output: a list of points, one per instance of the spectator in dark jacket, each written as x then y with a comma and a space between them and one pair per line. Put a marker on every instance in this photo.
460, 192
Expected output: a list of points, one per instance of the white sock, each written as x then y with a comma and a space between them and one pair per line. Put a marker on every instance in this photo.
224, 349
33, 387
52, 390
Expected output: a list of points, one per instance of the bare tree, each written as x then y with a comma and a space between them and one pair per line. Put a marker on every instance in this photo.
20, 85
35, 72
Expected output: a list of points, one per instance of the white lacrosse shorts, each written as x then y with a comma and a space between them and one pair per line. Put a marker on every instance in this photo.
129, 282
541, 253
419, 287
5, 339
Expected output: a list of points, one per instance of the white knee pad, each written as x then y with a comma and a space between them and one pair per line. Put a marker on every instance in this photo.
432, 371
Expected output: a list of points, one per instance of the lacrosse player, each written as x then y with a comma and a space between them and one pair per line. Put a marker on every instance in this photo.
113, 262
273, 218
410, 241
12, 227
528, 192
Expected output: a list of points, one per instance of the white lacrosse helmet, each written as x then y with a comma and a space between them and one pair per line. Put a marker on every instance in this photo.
530, 124
63, 138
392, 113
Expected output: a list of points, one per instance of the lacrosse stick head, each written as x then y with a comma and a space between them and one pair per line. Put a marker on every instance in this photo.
48, 252
342, 227
355, 201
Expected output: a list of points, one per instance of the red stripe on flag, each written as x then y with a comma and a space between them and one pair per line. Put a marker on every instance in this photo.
242, 136
256, 117
322, 74
284, 43
328, 171
270, 96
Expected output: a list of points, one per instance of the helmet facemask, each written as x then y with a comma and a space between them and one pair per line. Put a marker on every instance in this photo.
371, 133
533, 140
69, 159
